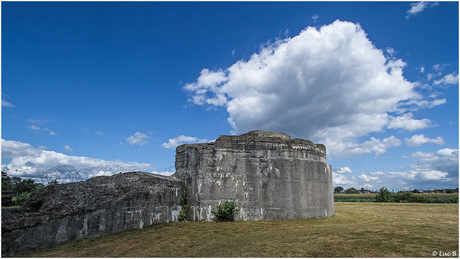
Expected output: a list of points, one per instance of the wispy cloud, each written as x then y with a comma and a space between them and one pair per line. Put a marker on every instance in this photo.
451, 78
315, 18
51, 132
343, 170
416, 8
99, 133
41, 121
38, 121
34, 127
182, 139
6, 104
138, 139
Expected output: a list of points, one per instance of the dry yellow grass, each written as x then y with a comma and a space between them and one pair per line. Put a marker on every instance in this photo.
357, 230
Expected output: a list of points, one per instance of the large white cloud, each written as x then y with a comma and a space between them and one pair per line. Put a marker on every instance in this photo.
329, 85
29, 161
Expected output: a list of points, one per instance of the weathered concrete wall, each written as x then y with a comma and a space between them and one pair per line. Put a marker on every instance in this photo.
97, 206
267, 174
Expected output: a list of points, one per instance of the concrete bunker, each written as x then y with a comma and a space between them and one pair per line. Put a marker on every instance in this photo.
268, 175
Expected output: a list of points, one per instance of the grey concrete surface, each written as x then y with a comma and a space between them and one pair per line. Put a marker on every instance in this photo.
100, 205
267, 174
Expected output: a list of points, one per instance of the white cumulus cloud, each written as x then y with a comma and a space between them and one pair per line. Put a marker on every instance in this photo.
182, 139
437, 169
138, 139
368, 178
417, 140
356, 149
407, 122
340, 179
29, 161
324, 84
445, 160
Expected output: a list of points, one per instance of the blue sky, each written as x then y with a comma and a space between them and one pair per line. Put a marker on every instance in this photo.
98, 83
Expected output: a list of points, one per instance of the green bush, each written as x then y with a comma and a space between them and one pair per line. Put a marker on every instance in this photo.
225, 212
441, 199
354, 198
405, 197
21, 198
384, 195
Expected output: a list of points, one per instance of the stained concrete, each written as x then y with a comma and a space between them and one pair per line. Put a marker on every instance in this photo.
268, 175
100, 205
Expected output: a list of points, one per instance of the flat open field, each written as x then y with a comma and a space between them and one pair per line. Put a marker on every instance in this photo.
357, 230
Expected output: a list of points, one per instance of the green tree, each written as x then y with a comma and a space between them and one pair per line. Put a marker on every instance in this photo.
7, 183
21, 198
338, 189
21, 188
351, 191
384, 195
25, 185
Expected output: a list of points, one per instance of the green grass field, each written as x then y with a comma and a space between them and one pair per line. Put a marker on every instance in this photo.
357, 230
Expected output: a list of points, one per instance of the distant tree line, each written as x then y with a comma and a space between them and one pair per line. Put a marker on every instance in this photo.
384, 195
15, 190
351, 190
